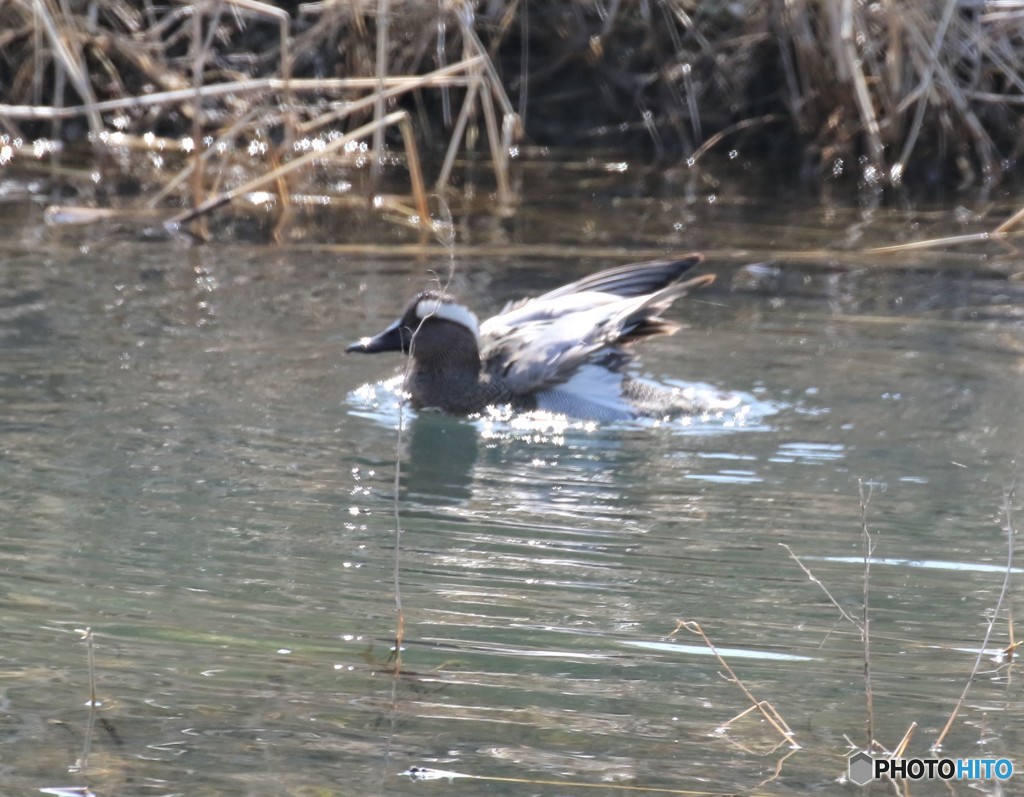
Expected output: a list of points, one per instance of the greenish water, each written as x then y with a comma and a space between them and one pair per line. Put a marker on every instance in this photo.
190, 466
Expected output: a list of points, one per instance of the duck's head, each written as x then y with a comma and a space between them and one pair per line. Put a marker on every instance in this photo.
443, 329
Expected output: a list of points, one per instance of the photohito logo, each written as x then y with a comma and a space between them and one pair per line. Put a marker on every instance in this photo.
864, 768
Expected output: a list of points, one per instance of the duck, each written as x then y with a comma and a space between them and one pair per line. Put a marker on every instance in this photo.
562, 352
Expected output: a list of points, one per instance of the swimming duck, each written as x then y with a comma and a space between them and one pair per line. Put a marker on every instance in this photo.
560, 352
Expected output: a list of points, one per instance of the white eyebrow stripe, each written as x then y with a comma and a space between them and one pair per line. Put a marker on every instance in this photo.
449, 311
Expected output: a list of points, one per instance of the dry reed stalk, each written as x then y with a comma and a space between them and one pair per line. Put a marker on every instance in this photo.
204, 154
67, 54
1003, 232
83, 761
933, 243
457, 133
228, 88
417, 773
70, 215
901, 748
814, 580
1011, 535
498, 157
854, 72
412, 160
500, 144
865, 624
383, 26
886, 91
283, 20
1010, 223
920, 96
906, 67
458, 74
766, 709
224, 198
746, 124
214, 93
90, 658
199, 53
396, 487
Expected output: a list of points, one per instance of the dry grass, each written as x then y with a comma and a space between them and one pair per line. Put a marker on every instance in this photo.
899, 86
202, 104
889, 91
188, 103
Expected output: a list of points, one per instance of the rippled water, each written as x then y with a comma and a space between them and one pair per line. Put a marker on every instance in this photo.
192, 468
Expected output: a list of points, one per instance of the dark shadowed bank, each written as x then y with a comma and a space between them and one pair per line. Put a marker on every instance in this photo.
197, 104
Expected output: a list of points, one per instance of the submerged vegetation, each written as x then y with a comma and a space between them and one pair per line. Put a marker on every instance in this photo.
195, 105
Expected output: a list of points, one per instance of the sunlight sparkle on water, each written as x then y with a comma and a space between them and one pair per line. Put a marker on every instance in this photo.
931, 564
261, 197
540, 427
703, 650
45, 146
309, 145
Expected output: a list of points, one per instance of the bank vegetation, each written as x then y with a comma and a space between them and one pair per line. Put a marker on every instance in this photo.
195, 105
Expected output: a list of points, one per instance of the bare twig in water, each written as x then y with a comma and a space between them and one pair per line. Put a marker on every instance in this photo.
1010, 223
934, 243
814, 580
1010, 650
767, 710
91, 662
243, 87
902, 746
429, 773
93, 703
396, 654
1002, 232
444, 231
865, 625
745, 124
1011, 534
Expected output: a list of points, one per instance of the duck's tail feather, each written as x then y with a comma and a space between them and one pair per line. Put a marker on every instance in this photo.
647, 328
645, 321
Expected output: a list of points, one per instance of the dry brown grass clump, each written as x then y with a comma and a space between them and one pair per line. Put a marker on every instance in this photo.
197, 104
200, 104
882, 90
906, 87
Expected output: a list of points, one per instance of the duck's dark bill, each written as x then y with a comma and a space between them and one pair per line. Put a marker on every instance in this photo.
394, 338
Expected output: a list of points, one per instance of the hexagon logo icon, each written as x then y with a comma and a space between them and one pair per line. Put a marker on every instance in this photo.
862, 768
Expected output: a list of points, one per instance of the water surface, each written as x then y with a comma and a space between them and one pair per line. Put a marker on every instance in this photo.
191, 467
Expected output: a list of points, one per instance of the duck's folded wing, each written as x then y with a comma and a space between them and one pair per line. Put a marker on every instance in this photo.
635, 279
552, 338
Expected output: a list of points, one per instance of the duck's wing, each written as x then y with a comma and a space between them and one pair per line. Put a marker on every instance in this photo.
546, 340
635, 279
